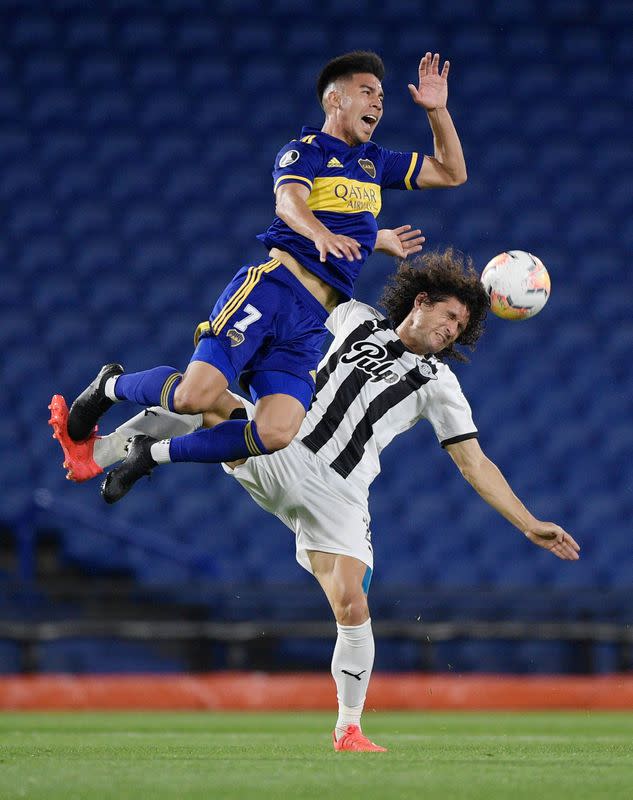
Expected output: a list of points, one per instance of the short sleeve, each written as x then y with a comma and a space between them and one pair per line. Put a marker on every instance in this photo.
400, 170
448, 410
297, 162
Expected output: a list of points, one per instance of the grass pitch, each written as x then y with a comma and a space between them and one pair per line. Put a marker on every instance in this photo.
206, 755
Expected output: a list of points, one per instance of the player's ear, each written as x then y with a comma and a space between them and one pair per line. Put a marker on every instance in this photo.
421, 299
332, 99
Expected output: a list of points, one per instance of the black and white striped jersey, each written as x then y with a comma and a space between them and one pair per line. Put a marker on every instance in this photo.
370, 388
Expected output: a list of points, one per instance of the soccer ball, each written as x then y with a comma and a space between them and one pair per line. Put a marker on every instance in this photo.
517, 283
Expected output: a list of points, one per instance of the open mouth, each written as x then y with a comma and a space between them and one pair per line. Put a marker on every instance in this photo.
370, 119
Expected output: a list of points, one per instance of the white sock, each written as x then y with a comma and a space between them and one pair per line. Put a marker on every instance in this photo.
159, 451
155, 422
110, 449
352, 662
109, 389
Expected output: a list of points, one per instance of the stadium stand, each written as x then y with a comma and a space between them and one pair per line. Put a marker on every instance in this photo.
136, 144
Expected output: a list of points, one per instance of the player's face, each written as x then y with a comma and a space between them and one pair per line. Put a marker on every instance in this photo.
361, 100
434, 326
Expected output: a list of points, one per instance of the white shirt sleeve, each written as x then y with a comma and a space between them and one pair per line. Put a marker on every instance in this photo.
448, 410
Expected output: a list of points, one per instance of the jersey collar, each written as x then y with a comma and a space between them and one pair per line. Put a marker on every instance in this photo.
332, 140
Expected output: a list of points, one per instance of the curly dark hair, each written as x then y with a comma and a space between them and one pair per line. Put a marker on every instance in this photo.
347, 65
441, 274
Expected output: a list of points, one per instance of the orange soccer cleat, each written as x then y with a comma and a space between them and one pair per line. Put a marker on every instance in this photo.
78, 456
354, 740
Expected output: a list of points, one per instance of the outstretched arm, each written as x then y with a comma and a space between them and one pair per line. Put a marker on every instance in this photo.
486, 478
447, 166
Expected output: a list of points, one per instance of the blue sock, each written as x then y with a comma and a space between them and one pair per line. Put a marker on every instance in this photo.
154, 387
228, 441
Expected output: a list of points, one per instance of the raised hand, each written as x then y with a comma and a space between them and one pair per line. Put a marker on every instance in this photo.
399, 242
553, 538
432, 91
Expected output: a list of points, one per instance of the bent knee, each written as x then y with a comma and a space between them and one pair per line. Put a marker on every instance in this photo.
278, 435
188, 399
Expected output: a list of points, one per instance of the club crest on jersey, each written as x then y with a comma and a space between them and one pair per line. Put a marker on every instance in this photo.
427, 370
368, 166
236, 337
373, 359
288, 158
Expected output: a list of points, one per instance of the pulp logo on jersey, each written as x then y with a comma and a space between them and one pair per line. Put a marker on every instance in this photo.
373, 359
236, 337
368, 166
288, 158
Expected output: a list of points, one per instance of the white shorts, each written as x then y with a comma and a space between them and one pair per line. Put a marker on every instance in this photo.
325, 511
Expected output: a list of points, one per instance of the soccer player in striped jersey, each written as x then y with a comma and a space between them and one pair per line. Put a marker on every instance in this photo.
379, 377
267, 328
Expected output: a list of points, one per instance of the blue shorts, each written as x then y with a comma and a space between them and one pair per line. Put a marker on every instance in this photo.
268, 330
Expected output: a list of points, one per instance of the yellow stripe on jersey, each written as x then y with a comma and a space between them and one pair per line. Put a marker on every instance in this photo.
300, 178
407, 177
253, 449
167, 387
309, 138
203, 329
253, 276
345, 195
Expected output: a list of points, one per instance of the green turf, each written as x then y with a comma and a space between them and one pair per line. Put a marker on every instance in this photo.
448, 756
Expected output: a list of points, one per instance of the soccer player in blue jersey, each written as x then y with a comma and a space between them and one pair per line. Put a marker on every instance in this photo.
267, 328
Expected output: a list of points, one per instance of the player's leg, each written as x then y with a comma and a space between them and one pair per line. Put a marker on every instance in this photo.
195, 391
158, 423
87, 459
345, 581
161, 385
330, 520
272, 336
230, 441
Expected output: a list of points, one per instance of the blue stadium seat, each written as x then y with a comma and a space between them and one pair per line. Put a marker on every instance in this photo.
582, 43
118, 148
31, 30
44, 70
89, 33
519, 10
527, 43
81, 656
10, 658
568, 11
473, 43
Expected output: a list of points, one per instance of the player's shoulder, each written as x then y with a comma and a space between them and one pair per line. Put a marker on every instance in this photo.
306, 147
447, 380
351, 312
292, 152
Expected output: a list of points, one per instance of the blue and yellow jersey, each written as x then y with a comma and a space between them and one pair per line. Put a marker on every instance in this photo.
345, 195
